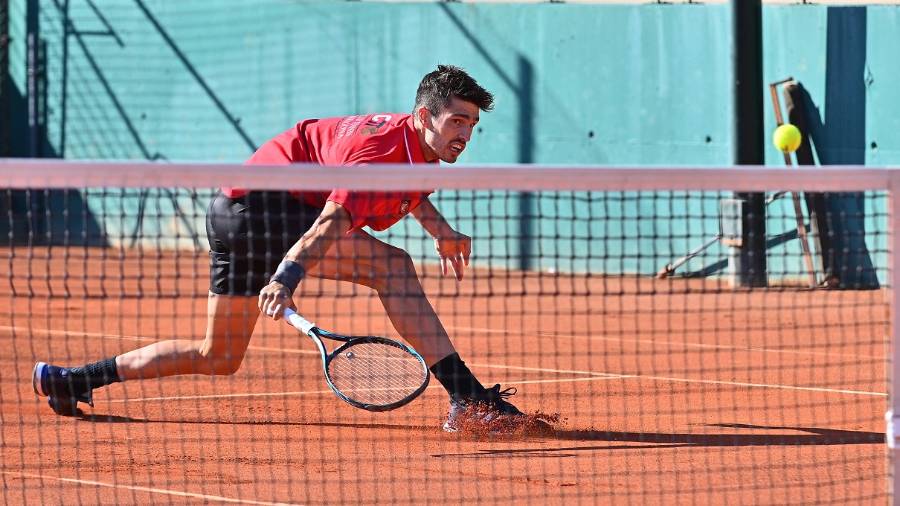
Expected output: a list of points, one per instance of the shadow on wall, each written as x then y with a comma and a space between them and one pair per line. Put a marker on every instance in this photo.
523, 87
192, 70
40, 217
64, 216
839, 139
100, 77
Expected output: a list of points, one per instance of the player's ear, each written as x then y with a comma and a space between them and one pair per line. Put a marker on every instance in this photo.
424, 115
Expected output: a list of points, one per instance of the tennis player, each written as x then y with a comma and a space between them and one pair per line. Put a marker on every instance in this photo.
264, 243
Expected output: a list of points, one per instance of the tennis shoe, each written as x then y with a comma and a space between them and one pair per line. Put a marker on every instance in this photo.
63, 392
490, 408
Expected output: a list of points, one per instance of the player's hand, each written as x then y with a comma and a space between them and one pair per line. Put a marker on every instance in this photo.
454, 250
273, 299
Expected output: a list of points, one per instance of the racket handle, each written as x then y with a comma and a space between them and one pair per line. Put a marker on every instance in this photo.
300, 323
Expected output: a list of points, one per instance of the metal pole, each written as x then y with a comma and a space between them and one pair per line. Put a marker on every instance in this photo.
527, 200
893, 368
32, 74
750, 263
894, 350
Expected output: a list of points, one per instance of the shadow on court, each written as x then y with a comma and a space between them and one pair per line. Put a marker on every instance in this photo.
650, 440
100, 418
813, 436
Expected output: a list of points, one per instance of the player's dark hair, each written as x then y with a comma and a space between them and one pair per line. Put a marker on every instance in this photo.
439, 86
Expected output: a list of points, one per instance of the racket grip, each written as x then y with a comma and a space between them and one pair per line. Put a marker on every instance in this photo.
300, 323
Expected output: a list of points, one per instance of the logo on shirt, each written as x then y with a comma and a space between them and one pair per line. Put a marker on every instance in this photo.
348, 125
375, 122
404, 207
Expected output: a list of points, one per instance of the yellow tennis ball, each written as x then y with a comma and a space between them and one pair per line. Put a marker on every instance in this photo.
787, 138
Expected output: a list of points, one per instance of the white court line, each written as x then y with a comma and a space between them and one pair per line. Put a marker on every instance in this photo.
489, 366
567, 380
593, 377
320, 392
668, 343
151, 490
76, 333
603, 375
298, 393
543, 369
221, 396
756, 385
67, 333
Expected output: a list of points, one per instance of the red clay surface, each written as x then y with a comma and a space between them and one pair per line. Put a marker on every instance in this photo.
673, 391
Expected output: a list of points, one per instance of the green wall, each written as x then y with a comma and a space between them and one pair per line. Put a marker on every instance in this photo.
575, 83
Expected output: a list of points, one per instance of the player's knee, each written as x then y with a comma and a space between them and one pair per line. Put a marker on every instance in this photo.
221, 363
399, 272
227, 367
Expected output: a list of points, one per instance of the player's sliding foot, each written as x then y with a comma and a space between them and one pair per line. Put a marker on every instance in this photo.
63, 390
490, 409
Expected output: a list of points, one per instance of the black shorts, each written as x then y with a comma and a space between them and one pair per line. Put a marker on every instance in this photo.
248, 237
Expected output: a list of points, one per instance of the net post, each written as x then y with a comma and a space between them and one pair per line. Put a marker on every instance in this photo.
33, 75
749, 260
892, 416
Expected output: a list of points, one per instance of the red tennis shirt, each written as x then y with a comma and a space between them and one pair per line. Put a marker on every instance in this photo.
349, 140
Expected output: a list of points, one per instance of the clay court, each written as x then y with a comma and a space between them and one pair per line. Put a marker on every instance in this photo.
748, 150
673, 391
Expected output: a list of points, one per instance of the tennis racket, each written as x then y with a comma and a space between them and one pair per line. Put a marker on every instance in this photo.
368, 372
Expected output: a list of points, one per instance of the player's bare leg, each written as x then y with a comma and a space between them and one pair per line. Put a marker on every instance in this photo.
365, 260
362, 259
230, 323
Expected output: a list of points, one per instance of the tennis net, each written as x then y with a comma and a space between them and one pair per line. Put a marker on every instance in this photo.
625, 305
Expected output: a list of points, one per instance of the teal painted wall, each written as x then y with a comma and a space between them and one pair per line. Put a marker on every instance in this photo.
141, 78
588, 84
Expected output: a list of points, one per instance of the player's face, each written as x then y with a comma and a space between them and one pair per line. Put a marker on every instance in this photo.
448, 133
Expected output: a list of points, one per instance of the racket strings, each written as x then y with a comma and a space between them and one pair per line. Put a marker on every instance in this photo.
376, 373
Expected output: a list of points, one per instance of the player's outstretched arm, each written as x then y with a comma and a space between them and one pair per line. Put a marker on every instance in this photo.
452, 247
332, 223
